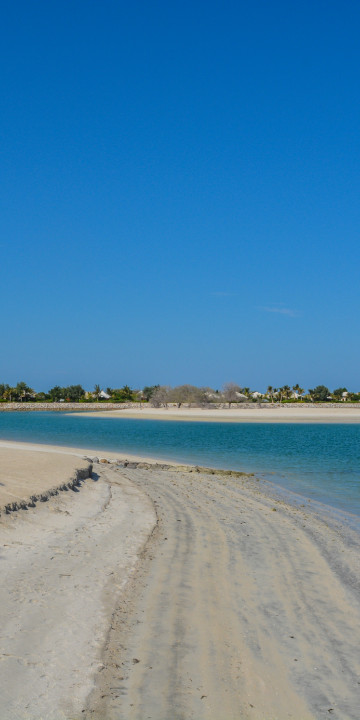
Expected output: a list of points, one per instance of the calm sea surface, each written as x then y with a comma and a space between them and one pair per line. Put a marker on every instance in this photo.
321, 462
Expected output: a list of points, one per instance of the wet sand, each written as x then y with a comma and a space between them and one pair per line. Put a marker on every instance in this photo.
166, 593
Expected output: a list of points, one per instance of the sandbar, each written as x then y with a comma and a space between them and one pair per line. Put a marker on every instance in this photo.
256, 413
158, 590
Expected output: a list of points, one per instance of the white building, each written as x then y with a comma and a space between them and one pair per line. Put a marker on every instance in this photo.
104, 395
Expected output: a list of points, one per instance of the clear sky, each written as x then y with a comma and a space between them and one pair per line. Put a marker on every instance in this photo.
180, 193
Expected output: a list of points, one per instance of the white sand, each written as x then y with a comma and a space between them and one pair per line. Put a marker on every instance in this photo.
240, 607
253, 413
81, 453
63, 566
27, 473
247, 608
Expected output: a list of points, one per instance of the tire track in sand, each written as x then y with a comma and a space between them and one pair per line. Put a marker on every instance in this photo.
236, 611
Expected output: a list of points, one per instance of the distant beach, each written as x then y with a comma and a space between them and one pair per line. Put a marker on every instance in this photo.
293, 413
245, 412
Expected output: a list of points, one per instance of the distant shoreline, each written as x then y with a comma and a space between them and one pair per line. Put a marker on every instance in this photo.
245, 412
249, 414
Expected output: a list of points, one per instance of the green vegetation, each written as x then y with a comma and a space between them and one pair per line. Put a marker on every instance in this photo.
320, 394
72, 393
162, 395
121, 395
20, 393
338, 393
148, 391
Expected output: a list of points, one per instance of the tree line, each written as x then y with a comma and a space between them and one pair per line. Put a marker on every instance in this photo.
162, 395
71, 393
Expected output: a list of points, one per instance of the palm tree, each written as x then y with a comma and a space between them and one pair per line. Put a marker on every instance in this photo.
22, 390
9, 393
270, 392
97, 391
298, 390
286, 391
3, 390
127, 392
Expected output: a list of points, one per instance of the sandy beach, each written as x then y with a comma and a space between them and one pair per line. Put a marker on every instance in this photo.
64, 564
33, 474
159, 591
243, 413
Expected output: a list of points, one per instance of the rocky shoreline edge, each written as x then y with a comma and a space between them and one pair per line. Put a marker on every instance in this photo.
70, 407
145, 465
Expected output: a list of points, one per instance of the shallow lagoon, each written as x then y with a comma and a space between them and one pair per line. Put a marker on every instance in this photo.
319, 461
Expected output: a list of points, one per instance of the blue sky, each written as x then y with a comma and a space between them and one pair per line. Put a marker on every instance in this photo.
180, 193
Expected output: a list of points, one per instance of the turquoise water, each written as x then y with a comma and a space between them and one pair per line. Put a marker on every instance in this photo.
321, 462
